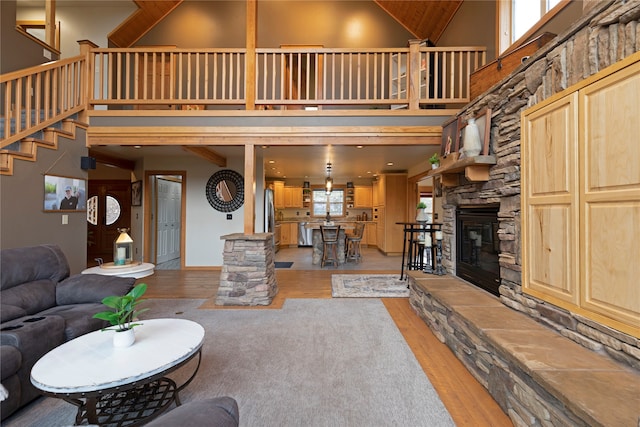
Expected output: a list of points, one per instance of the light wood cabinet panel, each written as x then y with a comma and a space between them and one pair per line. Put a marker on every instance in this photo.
610, 196
289, 233
581, 198
293, 197
380, 221
391, 207
550, 235
278, 194
375, 192
363, 197
370, 234
285, 234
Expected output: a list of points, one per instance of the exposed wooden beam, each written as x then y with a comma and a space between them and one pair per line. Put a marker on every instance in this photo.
113, 161
207, 154
149, 13
425, 19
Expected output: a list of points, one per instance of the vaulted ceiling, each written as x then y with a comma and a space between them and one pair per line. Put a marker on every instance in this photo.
425, 19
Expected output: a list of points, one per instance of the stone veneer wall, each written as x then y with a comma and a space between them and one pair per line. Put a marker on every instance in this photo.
248, 272
607, 33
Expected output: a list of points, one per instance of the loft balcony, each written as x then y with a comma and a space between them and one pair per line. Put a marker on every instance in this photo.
113, 89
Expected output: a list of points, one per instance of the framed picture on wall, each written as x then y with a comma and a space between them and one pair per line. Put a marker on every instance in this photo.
450, 137
63, 193
136, 193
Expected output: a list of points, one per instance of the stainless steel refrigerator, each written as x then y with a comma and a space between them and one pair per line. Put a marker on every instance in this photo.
270, 218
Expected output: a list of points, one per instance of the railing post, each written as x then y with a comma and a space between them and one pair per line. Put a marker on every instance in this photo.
85, 49
413, 87
250, 58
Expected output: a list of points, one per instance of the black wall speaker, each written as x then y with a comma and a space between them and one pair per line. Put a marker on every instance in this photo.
87, 163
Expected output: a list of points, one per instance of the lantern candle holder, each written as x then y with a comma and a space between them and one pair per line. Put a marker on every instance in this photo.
123, 248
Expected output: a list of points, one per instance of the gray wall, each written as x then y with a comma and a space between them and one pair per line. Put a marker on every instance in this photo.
16, 50
197, 24
22, 220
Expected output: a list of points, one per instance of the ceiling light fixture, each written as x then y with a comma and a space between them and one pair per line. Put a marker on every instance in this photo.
328, 182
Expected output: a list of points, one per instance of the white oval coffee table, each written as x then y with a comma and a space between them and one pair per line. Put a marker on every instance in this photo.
110, 384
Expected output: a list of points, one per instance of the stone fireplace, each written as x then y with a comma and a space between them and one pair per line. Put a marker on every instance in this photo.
607, 33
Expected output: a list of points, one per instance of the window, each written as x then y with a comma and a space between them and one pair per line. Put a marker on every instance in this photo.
332, 203
520, 18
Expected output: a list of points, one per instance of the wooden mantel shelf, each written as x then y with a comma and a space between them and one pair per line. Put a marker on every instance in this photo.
475, 169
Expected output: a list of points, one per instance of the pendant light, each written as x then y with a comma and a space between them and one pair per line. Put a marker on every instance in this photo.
328, 182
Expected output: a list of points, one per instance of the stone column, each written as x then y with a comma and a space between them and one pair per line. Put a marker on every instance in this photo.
248, 270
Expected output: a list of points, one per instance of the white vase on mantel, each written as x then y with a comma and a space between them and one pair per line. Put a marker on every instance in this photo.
472, 144
124, 338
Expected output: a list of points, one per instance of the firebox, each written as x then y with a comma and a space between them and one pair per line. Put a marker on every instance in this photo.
478, 247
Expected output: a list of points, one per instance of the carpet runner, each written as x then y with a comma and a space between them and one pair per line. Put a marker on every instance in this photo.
368, 286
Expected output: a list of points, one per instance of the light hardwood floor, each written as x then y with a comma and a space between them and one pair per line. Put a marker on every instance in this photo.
466, 399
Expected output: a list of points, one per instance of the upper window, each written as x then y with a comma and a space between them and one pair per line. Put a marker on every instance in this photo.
519, 17
332, 203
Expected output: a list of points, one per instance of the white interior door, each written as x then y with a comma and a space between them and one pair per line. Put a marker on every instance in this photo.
168, 219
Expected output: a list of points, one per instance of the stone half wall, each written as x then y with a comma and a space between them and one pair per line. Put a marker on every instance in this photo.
607, 33
248, 271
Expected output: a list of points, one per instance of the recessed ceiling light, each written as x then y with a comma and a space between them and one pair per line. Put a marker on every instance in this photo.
359, 146
137, 146
271, 162
389, 163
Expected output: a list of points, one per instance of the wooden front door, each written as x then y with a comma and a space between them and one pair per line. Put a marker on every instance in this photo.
112, 211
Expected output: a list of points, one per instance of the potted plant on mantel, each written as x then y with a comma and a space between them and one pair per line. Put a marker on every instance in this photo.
123, 314
421, 215
434, 160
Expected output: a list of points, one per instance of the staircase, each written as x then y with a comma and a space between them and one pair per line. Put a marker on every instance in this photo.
27, 148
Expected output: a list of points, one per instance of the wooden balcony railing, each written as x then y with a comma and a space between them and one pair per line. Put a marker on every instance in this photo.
288, 78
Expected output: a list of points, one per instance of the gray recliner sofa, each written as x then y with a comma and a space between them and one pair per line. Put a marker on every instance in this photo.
41, 307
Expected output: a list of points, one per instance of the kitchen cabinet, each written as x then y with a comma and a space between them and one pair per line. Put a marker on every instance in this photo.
581, 198
391, 208
293, 197
289, 233
363, 197
369, 236
278, 194
375, 193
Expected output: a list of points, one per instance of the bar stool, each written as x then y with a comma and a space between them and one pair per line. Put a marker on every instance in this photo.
353, 243
330, 235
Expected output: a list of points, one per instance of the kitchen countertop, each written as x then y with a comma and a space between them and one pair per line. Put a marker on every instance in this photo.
341, 221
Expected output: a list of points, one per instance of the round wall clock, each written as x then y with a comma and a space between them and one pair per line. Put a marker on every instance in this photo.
225, 190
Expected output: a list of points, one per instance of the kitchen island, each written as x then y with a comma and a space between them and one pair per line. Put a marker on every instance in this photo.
318, 247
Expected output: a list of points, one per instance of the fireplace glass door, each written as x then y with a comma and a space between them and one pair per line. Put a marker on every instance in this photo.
478, 247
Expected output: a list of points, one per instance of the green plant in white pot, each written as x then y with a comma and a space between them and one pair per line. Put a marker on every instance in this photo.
123, 314
421, 215
434, 160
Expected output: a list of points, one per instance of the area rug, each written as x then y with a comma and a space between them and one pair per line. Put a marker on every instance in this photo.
368, 286
316, 362
283, 264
